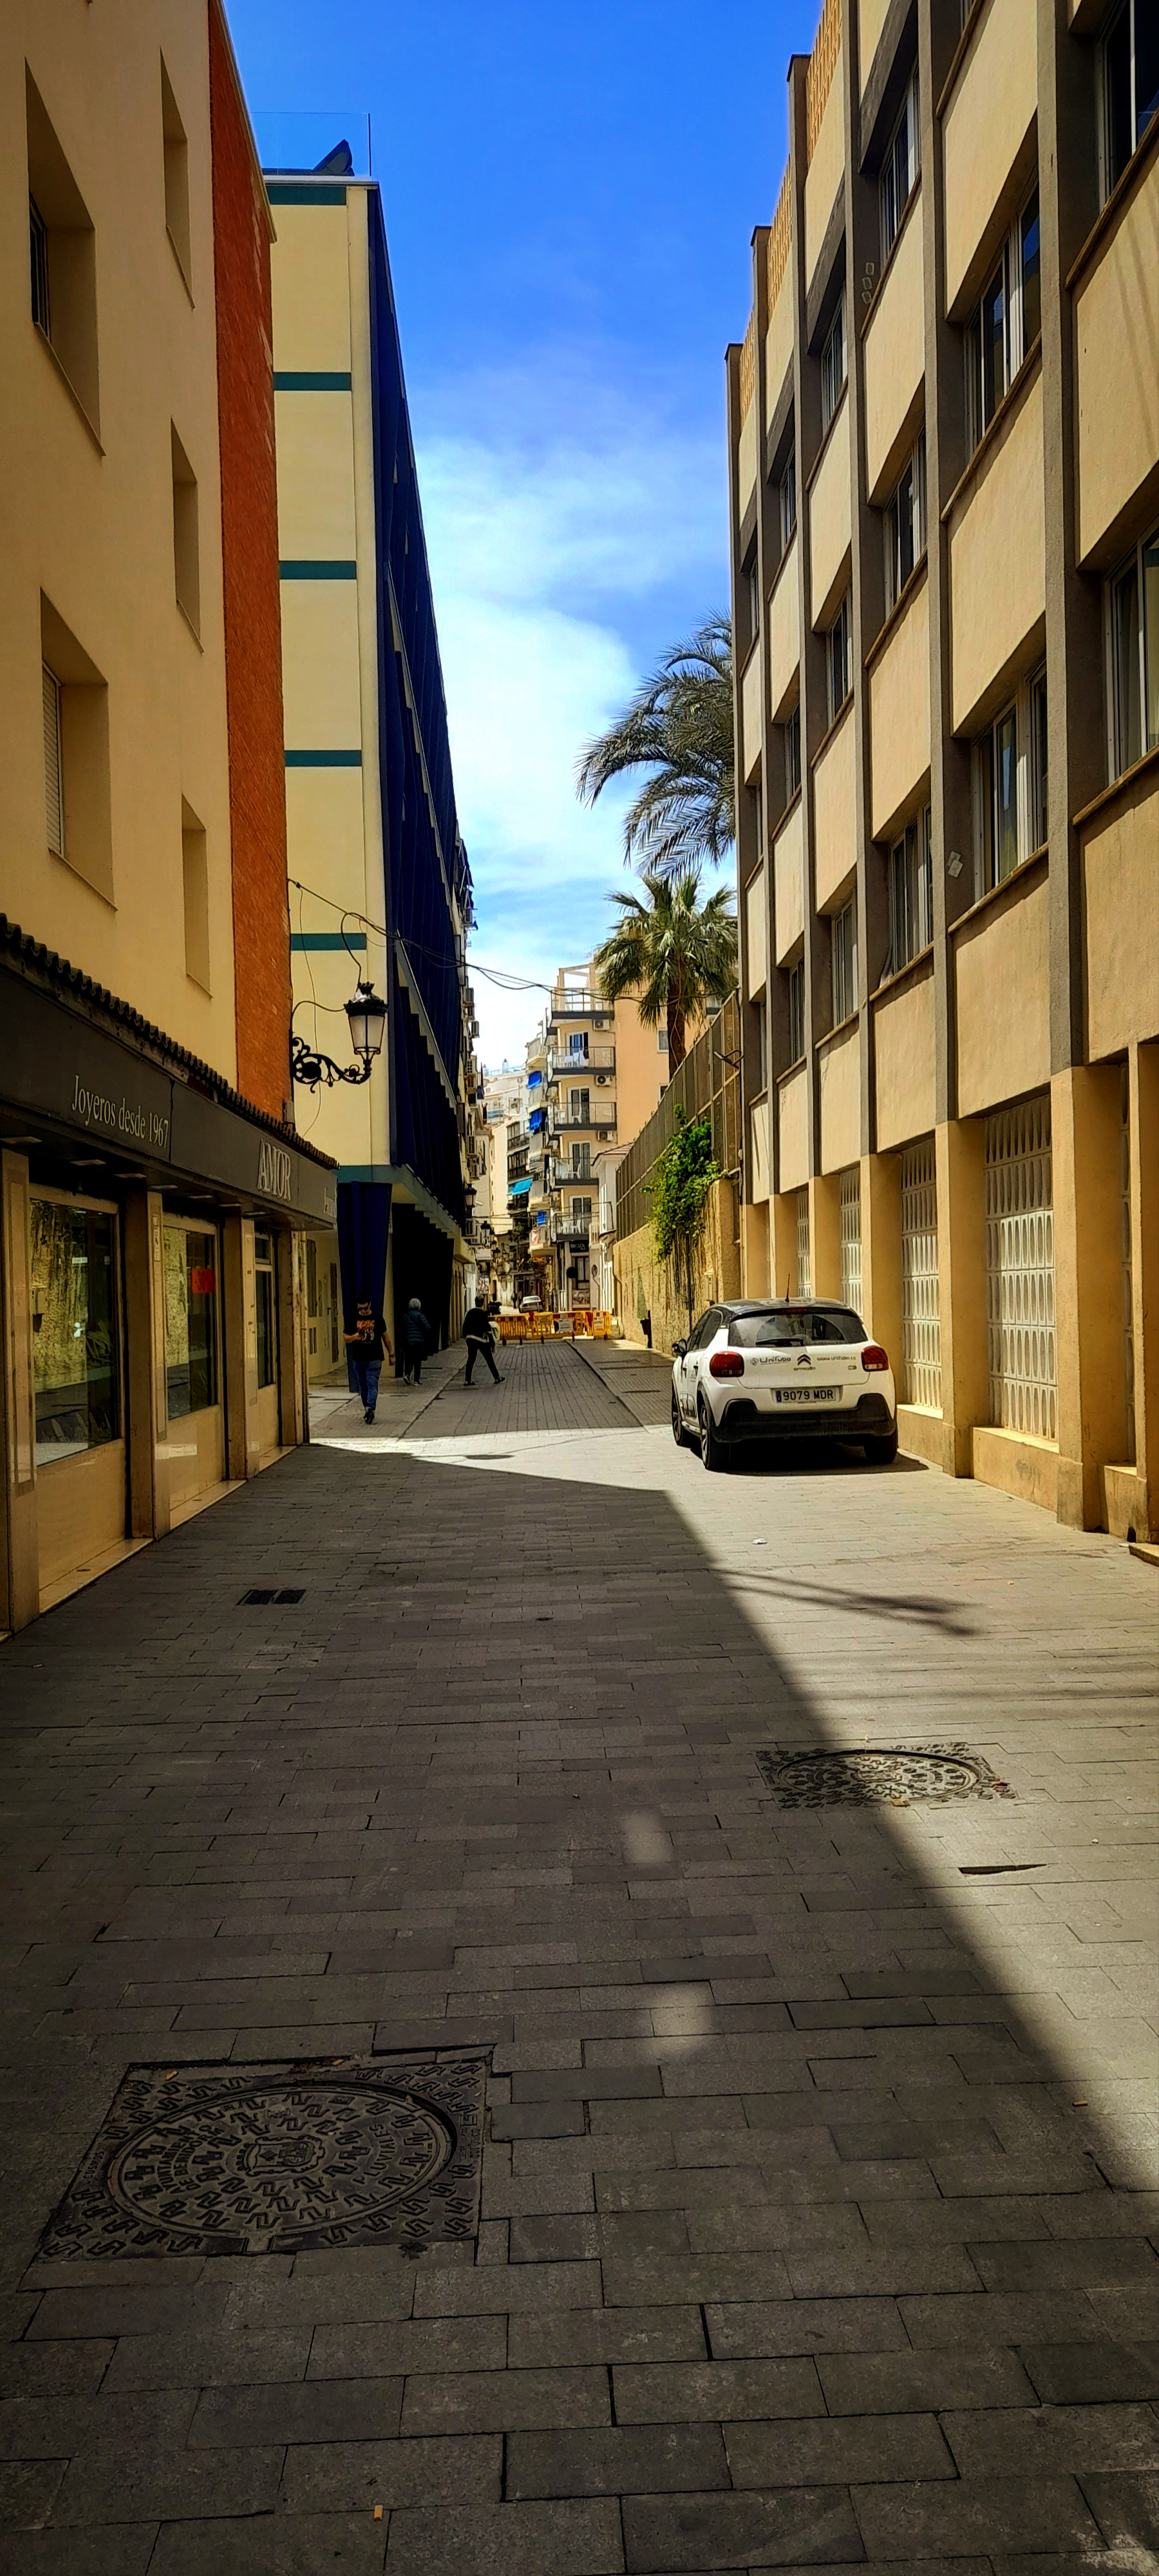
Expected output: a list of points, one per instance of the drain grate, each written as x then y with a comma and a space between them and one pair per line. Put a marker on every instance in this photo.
280, 2160
257, 1599
893, 1776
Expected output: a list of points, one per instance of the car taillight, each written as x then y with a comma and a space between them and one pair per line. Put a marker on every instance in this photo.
726, 1364
873, 1356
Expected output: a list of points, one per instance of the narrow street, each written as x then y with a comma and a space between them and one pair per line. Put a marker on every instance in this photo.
815, 2163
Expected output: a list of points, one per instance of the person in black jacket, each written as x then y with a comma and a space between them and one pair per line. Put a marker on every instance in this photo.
416, 1334
479, 1337
367, 1344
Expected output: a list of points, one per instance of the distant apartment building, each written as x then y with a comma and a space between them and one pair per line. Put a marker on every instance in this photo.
944, 458
506, 1143
598, 1074
379, 882
155, 1194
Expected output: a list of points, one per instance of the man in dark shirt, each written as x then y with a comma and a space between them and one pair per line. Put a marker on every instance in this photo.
367, 1345
477, 1334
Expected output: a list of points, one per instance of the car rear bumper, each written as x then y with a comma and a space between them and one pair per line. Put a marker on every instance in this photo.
869, 1418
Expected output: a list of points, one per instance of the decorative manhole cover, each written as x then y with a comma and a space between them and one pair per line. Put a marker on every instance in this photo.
280, 2160
879, 1777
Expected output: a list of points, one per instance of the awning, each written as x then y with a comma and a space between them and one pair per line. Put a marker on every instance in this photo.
533, 1079
536, 1119
519, 1189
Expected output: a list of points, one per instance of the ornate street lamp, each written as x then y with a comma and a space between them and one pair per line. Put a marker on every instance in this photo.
366, 1012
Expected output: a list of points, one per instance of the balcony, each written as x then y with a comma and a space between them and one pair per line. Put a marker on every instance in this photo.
569, 1229
599, 1121
576, 1006
596, 1058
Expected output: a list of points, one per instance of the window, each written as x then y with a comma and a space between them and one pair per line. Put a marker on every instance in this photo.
781, 1329
1134, 656
264, 1291
1130, 84
761, 1008
1039, 809
788, 500
75, 706
186, 560
997, 772
38, 247
662, 1041
792, 755
195, 891
579, 1108
843, 955
74, 1329
837, 660
796, 1012
905, 525
1005, 324
833, 364
53, 770
190, 1321
900, 169
62, 245
176, 152
754, 588
581, 1162
911, 893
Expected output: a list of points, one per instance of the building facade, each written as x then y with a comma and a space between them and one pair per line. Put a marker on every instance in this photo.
379, 882
154, 1191
944, 461
599, 1074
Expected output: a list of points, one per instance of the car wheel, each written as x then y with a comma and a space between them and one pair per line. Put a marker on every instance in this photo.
679, 1433
713, 1453
881, 1451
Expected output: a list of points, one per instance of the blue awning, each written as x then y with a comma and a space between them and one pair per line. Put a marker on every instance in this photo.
532, 1079
519, 1189
536, 1119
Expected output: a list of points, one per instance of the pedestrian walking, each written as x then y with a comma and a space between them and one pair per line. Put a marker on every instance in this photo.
367, 1343
416, 1333
479, 1336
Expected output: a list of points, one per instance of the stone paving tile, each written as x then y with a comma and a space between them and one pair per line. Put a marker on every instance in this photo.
798, 2138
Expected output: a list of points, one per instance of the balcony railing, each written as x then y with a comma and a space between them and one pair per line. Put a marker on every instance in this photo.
570, 1229
596, 1058
595, 1122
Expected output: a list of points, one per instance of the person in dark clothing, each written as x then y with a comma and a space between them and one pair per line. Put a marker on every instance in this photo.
416, 1333
367, 1344
479, 1337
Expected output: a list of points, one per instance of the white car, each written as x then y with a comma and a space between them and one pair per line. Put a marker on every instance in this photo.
783, 1368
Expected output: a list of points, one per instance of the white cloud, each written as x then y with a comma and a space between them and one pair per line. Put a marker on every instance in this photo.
572, 534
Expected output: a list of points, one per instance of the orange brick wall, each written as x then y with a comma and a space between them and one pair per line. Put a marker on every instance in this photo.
253, 636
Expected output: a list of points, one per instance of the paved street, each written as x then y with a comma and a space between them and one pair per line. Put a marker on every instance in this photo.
820, 2148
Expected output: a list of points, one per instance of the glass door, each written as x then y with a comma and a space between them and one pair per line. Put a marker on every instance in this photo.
196, 1443
76, 1363
266, 1301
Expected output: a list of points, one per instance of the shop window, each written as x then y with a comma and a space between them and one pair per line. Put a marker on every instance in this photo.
186, 556
788, 499
833, 364
911, 893
838, 658
1130, 85
843, 959
1133, 656
74, 1329
176, 156
266, 1322
191, 1369
905, 525
792, 755
899, 169
195, 896
62, 246
75, 704
1005, 324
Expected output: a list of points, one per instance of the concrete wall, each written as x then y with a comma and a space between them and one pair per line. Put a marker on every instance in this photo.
1117, 345
788, 886
793, 1130
1003, 998
1120, 880
903, 1046
984, 133
834, 811
756, 932
829, 519
895, 358
899, 716
825, 170
998, 562
839, 1082
716, 1273
784, 650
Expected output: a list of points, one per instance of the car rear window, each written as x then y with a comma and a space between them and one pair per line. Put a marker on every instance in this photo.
782, 1326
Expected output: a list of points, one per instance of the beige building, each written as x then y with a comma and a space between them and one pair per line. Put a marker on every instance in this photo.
944, 457
154, 1190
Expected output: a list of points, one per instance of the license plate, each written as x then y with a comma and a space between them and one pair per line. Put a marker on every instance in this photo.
806, 1394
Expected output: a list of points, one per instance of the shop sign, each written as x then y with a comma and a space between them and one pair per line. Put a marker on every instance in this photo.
275, 1171
119, 1117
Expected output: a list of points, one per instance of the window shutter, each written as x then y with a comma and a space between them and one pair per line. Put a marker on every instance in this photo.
53, 784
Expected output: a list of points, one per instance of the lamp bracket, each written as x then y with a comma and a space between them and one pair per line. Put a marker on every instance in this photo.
310, 1068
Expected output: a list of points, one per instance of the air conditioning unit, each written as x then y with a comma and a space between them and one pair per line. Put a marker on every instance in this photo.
602, 1079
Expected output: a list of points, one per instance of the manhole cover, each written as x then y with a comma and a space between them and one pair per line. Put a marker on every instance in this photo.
280, 2160
879, 1777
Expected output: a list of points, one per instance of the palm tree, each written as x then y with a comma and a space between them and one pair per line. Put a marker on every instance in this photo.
679, 725
674, 954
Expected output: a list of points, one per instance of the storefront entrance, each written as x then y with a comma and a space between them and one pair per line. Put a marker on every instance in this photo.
266, 1303
74, 1269
196, 1437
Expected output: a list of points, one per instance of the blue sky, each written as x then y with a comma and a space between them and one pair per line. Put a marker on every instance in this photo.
569, 198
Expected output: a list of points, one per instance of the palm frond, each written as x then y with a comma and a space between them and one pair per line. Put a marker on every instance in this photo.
679, 724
